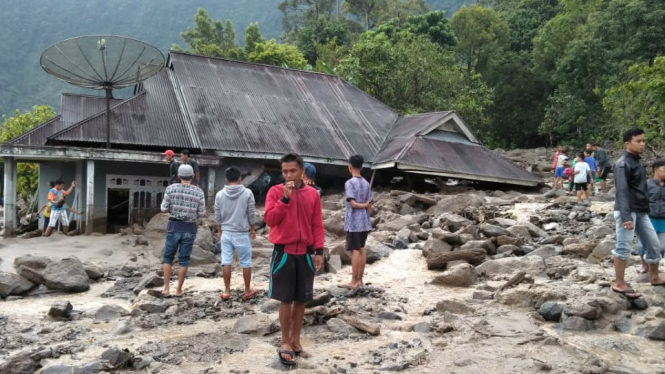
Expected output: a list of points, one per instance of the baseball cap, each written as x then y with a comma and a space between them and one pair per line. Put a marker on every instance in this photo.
168, 153
185, 171
310, 171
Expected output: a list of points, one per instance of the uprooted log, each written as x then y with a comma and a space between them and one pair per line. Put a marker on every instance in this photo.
473, 256
361, 325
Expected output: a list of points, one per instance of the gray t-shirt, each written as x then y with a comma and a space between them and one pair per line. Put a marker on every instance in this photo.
357, 220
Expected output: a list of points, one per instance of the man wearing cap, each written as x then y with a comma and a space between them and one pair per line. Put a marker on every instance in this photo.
184, 157
310, 177
173, 166
184, 203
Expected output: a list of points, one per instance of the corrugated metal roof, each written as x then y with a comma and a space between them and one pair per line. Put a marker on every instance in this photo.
151, 118
39, 134
245, 107
403, 131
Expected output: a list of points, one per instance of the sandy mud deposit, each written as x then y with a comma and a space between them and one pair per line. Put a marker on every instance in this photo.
459, 282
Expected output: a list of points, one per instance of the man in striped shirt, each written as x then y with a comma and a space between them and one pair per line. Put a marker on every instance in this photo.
184, 203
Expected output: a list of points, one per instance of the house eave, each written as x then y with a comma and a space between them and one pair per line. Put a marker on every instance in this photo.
483, 178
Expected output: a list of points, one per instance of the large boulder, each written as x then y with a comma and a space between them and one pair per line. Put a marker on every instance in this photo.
376, 250
599, 232
520, 231
35, 276
61, 309
454, 222
509, 265
491, 231
446, 236
200, 257
551, 311
395, 225
435, 246
462, 275
156, 228
257, 323
454, 204
488, 245
588, 310
603, 249
150, 304
14, 284
93, 269
340, 250
335, 225
66, 275
579, 249
535, 231
204, 238
34, 262
110, 312
453, 306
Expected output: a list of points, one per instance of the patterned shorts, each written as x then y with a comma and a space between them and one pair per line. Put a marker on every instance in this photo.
59, 215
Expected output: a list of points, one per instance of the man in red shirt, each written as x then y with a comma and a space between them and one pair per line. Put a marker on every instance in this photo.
293, 213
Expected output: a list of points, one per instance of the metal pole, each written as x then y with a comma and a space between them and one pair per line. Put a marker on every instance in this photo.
371, 181
108, 117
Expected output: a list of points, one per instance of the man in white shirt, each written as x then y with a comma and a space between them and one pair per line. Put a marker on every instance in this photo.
582, 176
558, 172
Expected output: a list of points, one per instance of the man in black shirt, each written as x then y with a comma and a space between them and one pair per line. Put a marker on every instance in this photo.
603, 165
185, 160
173, 166
631, 213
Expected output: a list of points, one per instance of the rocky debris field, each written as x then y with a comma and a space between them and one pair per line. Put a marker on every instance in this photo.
458, 281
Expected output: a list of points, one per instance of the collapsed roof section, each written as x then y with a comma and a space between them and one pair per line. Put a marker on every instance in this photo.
240, 109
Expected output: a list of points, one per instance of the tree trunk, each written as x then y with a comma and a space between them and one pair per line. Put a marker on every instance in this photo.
473, 256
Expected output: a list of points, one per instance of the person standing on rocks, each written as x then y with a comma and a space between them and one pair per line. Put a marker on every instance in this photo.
357, 222
186, 160
604, 165
169, 155
582, 176
656, 209
56, 197
631, 213
560, 167
235, 216
184, 203
294, 214
588, 158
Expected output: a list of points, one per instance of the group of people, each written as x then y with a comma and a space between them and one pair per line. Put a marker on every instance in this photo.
294, 214
586, 168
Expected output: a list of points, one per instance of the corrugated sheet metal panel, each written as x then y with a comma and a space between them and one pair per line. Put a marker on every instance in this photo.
76, 108
151, 118
39, 134
264, 109
454, 157
403, 130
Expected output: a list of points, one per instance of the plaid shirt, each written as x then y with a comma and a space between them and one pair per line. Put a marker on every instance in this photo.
184, 202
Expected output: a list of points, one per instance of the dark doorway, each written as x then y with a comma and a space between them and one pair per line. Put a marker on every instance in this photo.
117, 212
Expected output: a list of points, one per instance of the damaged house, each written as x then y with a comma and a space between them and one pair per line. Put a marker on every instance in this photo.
232, 113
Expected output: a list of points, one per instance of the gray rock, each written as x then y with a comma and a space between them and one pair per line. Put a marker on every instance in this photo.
551, 311
376, 250
658, 333
390, 316
204, 238
446, 236
156, 228
334, 264
462, 275
150, 304
453, 222
556, 240
482, 295
14, 284
491, 231
520, 231
568, 241
551, 226
270, 306
508, 240
504, 222
148, 281
110, 312
599, 232
339, 326
257, 323
453, 306
61, 310
579, 249
93, 269
201, 257
535, 231
488, 245
141, 362
318, 300
117, 358
143, 241
457, 203
340, 250
544, 252
503, 266
435, 246
603, 249
396, 224
639, 303
20, 363
575, 323
507, 248
34, 262
89, 368
66, 275
422, 328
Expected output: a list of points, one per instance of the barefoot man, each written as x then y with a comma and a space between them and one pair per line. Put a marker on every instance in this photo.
631, 213
293, 213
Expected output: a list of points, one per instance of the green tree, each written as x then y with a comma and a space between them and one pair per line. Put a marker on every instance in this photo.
272, 53
640, 101
401, 10
296, 13
480, 32
252, 37
413, 75
366, 10
321, 32
210, 38
433, 24
19, 123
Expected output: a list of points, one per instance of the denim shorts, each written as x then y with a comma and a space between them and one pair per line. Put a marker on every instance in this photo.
646, 234
181, 242
558, 172
240, 242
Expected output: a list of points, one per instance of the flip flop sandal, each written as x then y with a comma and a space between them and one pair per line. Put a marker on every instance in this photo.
288, 353
625, 292
251, 295
225, 296
165, 296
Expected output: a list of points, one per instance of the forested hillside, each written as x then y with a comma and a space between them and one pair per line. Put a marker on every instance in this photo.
28, 27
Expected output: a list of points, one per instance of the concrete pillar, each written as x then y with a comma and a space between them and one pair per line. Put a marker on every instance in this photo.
77, 194
90, 197
211, 187
9, 218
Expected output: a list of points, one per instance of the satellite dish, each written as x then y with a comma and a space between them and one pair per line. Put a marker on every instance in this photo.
103, 62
